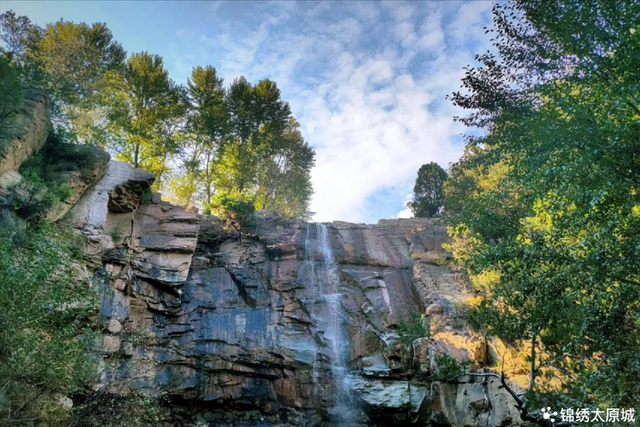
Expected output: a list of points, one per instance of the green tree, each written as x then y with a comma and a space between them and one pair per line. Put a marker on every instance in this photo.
237, 211
284, 181
70, 62
264, 157
428, 193
16, 32
11, 95
145, 111
557, 175
207, 126
74, 59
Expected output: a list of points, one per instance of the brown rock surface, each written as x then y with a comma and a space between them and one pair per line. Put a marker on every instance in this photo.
28, 132
205, 318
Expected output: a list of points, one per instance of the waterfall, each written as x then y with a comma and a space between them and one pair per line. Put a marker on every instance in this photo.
328, 315
312, 284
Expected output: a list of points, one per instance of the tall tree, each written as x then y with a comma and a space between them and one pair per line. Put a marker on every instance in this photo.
74, 59
16, 32
145, 111
208, 125
562, 271
264, 160
284, 182
70, 62
428, 194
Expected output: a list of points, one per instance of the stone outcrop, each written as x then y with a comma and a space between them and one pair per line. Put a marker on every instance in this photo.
79, 180
225, 325
25, 134
27, 131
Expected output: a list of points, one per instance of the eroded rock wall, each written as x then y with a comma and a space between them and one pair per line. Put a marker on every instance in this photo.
222, 324
26, 132
242, 331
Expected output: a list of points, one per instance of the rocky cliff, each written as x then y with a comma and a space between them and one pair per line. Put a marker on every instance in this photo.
294, 323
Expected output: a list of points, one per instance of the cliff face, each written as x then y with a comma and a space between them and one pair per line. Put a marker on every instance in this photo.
293, 324
296, 323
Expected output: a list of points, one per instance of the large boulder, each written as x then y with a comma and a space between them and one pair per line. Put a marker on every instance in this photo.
27, 133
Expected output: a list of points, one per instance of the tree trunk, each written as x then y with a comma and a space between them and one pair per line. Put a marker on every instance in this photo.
532, 368
135, 156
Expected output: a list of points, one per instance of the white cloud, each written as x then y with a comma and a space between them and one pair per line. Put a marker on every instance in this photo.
406, 212
372, 109
216, 5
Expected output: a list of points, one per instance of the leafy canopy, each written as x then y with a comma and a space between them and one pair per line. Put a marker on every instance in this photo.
428, 198
200, 140
546, 204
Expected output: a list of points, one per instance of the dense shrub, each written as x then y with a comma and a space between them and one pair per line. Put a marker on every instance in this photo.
11, 95
412, 329
59, 156
448, 368
45, 178
236, 211
35, 195
44, 331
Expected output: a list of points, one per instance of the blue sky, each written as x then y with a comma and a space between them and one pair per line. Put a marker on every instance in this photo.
366, 80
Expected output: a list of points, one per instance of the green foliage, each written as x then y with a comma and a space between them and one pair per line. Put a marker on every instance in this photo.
34, 196
207, 123
71, 62
264, 156
428, 198
44, 331
448, 369
17, 33
236, 211
44, 178
144, 109
199, 140
546, 204
116, 235
11, 95
245, 143
412, 329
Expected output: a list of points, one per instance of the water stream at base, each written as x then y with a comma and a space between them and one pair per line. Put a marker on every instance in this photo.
327, 314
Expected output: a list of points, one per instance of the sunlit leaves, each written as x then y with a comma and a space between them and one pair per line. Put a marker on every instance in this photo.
560, 106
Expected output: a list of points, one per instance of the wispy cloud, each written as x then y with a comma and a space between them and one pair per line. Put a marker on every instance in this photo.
367, 81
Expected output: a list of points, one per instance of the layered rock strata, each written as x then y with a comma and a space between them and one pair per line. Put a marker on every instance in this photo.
222, 324
291, 324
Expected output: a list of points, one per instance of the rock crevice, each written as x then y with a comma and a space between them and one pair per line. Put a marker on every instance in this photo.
198, 316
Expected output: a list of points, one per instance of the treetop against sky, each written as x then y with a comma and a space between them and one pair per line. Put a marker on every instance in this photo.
366, 81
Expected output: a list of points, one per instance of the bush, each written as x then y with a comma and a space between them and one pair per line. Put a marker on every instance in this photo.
45, 176
35, 195
236, 211
11, 94
411, 330
59, 157
449, 369
44, 331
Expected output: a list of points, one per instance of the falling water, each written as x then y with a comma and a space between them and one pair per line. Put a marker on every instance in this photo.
334, 329
314, 296
327, 314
